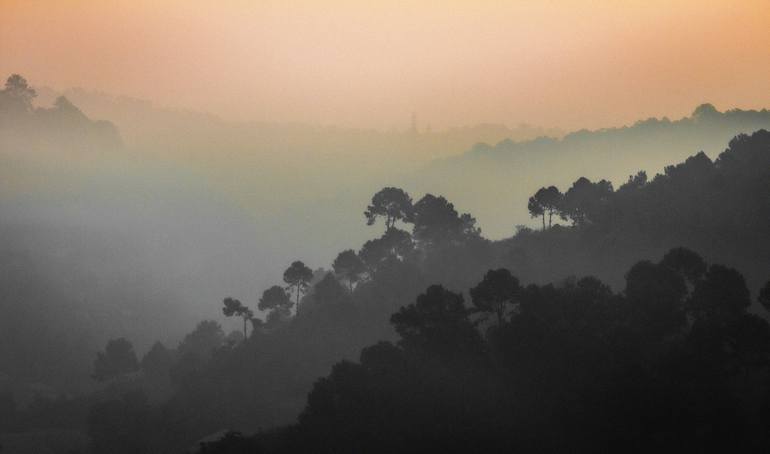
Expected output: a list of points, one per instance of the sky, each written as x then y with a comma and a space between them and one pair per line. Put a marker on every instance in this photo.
567, 64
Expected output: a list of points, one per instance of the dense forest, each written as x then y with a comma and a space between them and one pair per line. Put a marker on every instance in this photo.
676, 359
512, 169
631, 318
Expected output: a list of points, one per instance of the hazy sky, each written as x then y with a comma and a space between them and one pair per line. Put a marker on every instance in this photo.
353, 63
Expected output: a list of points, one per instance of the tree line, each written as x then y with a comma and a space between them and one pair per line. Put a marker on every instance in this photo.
62, 123
674, 361
478, 356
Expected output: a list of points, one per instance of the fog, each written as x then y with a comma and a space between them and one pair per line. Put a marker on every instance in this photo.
382, 227
123, 219
184, 209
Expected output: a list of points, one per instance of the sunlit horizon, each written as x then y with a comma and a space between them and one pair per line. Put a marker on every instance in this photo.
569, 65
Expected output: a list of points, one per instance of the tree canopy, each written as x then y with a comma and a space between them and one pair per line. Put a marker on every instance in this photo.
496, 292
118, 358
393, 204
349, 266
546, 201
436, 221
297, 277
233, 307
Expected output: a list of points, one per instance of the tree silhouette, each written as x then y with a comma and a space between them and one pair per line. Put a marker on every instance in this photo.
393, 244
349, 266
656, 297
686, 262
495, 292
233, 307
203, 340
436, 221
234, 338
536, 209
635, 182
157, 361
545, 201
117, 359
705, 110
436, 322
394, 204
18, 93
297, 277
584, 200
721, 293
329, 291
277, 301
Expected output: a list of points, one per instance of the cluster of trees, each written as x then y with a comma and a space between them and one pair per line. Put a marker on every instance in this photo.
119, 361
435, 222
248, 380
63, 122
673, 359
582, 203
718, 207
587, 202
276, 300
434, 219
17, 95
512, 170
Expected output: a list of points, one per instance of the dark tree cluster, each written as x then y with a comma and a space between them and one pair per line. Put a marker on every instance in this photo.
583, 203
718, 207
674, 362
117, 359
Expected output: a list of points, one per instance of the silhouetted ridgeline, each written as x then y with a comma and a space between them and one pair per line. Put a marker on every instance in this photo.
148, 127
509, 170
674, 362
62, 124
719, 208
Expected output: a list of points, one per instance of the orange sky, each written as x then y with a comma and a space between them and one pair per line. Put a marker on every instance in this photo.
353, 63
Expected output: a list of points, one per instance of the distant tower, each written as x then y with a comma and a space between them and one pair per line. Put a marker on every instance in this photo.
413, 130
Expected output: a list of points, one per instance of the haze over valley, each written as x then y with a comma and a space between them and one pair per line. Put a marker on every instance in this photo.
267, 228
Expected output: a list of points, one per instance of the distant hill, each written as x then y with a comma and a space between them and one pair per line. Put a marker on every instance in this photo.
61, 124
494, 182
148, 126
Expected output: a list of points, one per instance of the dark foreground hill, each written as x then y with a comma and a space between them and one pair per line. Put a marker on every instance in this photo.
674, 362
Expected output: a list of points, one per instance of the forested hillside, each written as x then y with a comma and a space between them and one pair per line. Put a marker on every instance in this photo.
720, 208
471, 344
626, 315
495, 180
